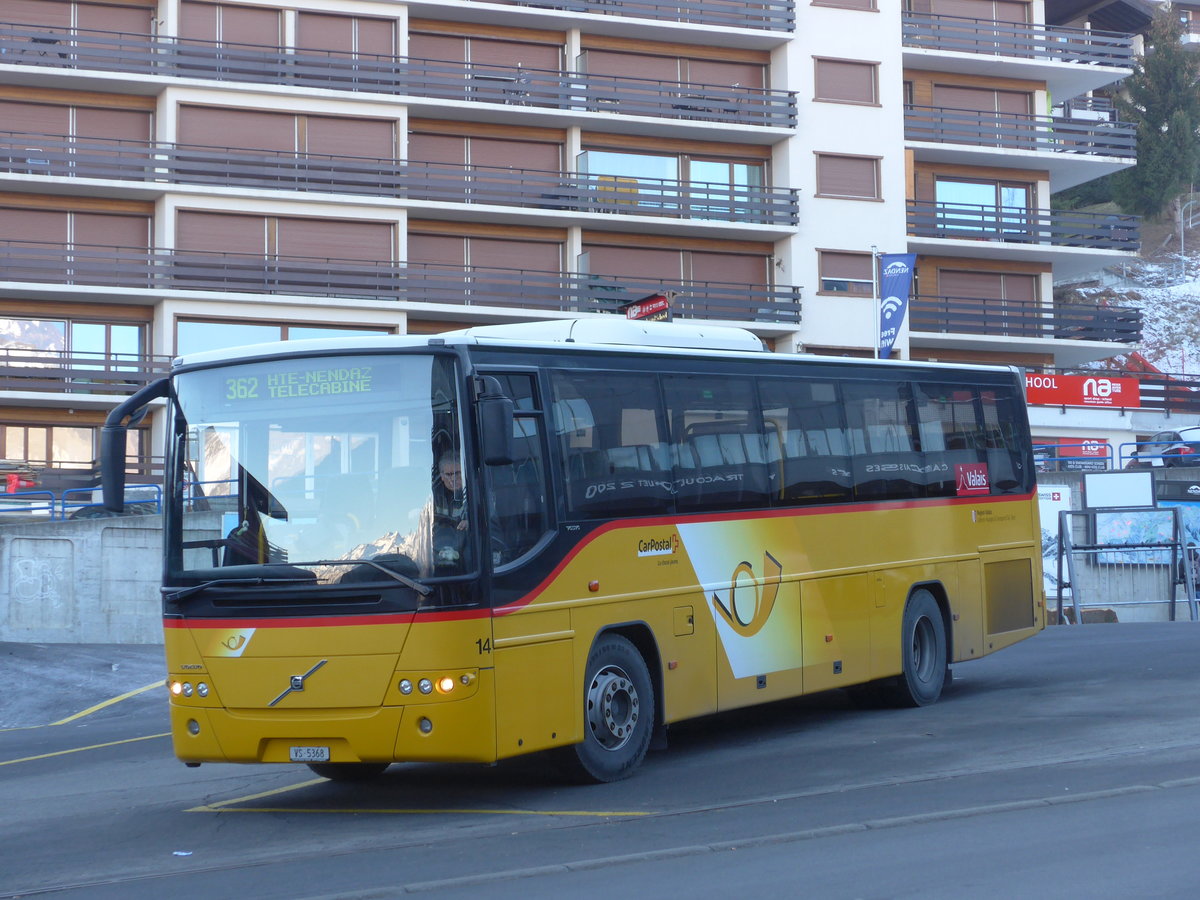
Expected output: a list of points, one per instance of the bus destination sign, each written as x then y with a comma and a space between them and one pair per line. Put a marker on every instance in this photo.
287, 385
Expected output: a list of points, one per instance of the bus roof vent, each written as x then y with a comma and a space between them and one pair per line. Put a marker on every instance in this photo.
605, 330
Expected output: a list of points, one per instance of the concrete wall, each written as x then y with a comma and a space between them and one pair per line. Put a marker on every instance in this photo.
83, 581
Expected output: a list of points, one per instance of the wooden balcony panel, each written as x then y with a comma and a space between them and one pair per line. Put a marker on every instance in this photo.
77, 373
512, 86
1011, 318
57, 155
1023, 41
1060, 228
45, 263
1047, 134
768, 15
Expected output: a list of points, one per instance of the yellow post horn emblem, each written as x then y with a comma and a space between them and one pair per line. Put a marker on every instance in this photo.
764, 600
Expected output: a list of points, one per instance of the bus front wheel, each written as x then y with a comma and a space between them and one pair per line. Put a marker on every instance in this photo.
618, 712
923, 652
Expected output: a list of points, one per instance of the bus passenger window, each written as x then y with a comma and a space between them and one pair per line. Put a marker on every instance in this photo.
806, 440
517, 501
720, 443
887, 464
609, 430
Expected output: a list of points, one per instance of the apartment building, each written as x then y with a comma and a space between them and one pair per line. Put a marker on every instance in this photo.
178, 175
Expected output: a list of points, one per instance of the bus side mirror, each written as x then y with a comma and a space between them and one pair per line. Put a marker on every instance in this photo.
113, 440
495, 413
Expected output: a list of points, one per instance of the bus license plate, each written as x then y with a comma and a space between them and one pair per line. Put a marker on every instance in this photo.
309, 754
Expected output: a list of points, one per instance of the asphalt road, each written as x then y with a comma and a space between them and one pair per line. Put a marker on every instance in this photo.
1067, 766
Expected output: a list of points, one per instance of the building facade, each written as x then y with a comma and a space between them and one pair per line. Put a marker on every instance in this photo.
178, 175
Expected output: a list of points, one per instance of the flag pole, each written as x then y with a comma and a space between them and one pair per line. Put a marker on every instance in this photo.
878, 300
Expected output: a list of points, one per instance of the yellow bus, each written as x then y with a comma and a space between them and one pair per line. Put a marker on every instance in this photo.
570, 535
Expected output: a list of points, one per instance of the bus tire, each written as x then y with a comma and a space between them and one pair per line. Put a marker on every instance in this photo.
349, 771
618, 712
923, 653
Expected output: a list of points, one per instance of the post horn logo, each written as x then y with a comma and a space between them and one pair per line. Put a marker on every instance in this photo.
751, 599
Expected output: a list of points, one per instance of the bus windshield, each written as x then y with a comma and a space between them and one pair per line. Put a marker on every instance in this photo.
350, 467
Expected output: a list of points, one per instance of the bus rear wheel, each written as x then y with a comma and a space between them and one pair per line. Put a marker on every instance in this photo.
348, 771
618, 712
923, 652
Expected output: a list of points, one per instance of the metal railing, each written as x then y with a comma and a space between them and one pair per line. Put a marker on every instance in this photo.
1047, 134
1020, 225
1017, 318
165, 163
1087, 456
187, 270
139, 499
769, 15
78, 372
512, 86
1050, 43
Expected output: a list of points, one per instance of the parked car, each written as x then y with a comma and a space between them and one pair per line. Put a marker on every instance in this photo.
1168, 448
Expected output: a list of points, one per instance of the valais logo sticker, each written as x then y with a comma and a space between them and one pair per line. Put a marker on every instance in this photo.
972, 479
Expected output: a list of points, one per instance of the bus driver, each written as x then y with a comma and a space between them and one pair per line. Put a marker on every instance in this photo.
449, 510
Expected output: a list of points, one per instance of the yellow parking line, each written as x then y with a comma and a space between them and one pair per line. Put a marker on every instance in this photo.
213, 807
227, 806
149, 737
614, 813
110, 702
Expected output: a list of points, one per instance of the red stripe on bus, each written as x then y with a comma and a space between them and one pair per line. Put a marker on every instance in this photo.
327, 621
741, 517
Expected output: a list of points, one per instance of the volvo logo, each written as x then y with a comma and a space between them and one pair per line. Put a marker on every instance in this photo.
297, 682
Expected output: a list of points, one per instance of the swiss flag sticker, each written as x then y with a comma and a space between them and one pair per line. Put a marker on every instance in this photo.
972, 479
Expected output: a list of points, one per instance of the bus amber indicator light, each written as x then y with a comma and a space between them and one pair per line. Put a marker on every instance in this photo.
972, 479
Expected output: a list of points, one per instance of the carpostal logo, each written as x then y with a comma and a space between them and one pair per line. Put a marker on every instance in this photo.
658, 546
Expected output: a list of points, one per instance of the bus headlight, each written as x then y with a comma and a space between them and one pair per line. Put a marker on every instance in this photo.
405, 686
445, 684
425, 686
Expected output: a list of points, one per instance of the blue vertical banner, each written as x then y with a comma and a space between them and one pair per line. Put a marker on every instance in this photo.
895, 281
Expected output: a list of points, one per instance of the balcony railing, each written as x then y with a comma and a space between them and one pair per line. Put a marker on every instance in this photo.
1052, 43
769, 15
1048, 134
1018, 225
158, 270
1025, 319
509, 85
58, 155
78, 372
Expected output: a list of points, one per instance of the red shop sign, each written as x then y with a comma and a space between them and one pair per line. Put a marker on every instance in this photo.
1082, 390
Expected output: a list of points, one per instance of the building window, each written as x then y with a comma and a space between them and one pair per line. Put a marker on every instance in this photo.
846, 81
848, 177
195, 336
865, 5
846, 273
983, 206
93, 339
654, 180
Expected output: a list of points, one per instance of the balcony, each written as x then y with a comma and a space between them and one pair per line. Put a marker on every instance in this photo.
770, 15
156, 271
1025, 319
73, 373
1019, 225
1071, 60
1076, 150
515, 88
164, 163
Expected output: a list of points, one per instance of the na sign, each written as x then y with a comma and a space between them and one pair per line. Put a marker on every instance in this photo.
1082, 390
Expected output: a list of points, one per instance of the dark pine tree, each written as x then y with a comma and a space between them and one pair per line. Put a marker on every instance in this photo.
1162, 99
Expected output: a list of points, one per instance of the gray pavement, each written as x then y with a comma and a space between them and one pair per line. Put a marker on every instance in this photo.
44, 683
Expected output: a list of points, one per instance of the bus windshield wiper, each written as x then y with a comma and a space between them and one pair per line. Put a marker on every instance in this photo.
423, 589
184, 593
